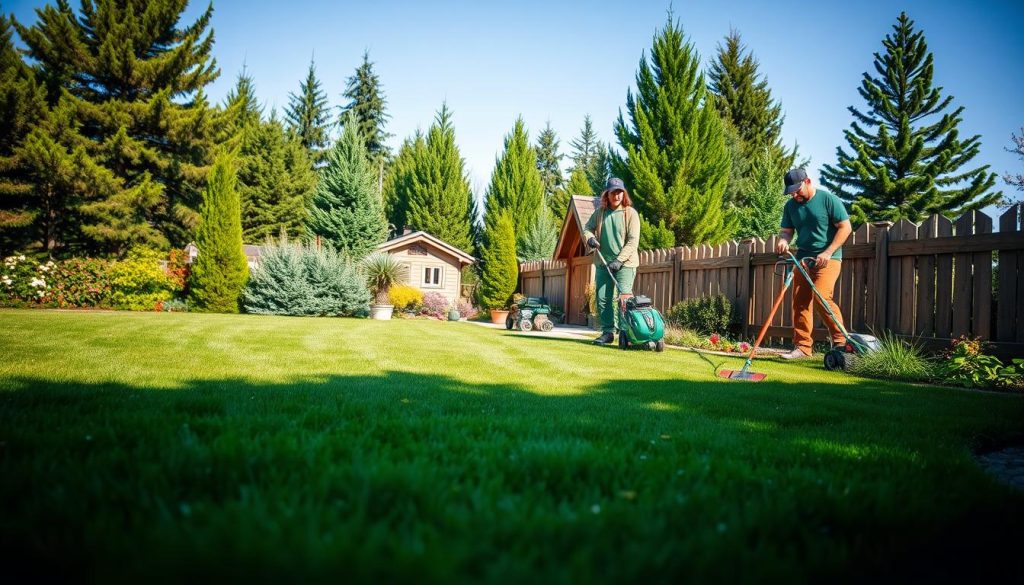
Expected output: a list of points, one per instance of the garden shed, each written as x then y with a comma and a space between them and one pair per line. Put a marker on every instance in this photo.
433, 265
579, 266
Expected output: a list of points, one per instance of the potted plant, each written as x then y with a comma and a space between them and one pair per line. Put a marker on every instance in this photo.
590, 302
453, 312
382, 271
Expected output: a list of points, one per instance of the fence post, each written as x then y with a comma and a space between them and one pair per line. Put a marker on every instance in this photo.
744, 284
881, 274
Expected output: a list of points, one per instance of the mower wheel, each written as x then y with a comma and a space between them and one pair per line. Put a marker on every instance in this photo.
525, 325
547, 326
623, 340
660, 345
835, 360
509, 323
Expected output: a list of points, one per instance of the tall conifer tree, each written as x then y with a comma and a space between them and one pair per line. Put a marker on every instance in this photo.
22, 106
346, 210
439, 198
676, 163
549, 162
307, 117
400, 178
275, 182
134, 82
220, 271
906, 158
744, 101
367, 102
587, 157
515, 184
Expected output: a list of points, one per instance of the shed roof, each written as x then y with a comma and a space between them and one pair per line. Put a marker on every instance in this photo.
424, 237
581, 207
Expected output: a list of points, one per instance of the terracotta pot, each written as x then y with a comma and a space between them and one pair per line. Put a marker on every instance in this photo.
499, 315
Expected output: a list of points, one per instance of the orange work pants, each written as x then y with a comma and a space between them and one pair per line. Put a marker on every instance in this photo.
804, 298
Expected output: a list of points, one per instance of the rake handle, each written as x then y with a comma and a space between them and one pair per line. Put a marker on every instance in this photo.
768, 321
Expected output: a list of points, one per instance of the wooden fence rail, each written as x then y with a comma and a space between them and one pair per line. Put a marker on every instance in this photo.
933, 281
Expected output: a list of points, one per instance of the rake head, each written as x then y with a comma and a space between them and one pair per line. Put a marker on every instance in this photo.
744, 375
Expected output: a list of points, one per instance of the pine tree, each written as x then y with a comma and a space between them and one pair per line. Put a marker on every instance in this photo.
549, 162
346, 210
242, 110
275, 182
655, 237
761, 214
307, 117
220, 271
22, 106
540, 238
500, 271
399, 180
134, 80
515, 184
367, 102
589, 157
676, 164
439, 198
900, 166
577, 185
745, 102
1018, 149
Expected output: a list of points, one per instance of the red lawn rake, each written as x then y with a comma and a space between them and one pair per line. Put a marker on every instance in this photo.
745, 374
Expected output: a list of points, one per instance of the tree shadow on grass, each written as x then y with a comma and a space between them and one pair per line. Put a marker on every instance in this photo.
428, 477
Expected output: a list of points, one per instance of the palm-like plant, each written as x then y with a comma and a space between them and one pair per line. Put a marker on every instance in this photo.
382, 271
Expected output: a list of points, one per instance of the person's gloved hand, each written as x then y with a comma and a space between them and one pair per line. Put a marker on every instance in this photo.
614, 266
592, 242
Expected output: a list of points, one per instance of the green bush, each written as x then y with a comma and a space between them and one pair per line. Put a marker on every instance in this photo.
896, 360
139, 283
965, 364
23, 280
293, 279
81, 283
705, 315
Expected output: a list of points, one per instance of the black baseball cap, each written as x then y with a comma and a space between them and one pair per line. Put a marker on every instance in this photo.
793, 180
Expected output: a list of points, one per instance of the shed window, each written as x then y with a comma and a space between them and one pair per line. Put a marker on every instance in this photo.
432, 276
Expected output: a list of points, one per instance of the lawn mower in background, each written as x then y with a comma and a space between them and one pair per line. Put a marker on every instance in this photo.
640, 324
530, 313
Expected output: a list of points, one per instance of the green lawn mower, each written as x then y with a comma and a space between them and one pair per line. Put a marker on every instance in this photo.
530, 313
843, 356
640, 324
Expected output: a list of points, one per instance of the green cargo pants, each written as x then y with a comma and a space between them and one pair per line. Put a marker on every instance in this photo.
607, 299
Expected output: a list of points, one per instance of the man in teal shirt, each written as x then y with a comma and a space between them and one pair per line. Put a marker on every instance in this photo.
822, 226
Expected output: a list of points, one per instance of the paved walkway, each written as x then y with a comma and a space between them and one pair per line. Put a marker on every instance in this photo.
1007, 465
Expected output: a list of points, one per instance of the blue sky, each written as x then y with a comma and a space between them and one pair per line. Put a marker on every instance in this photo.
557, 61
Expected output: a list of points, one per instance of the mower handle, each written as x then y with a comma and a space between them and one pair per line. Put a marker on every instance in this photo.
783, 262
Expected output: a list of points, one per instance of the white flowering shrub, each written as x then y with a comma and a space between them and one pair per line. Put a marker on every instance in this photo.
23, 280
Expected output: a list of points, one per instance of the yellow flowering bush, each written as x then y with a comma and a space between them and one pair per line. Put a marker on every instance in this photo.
404, 296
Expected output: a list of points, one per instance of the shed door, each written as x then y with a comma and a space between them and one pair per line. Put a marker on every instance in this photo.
580, 269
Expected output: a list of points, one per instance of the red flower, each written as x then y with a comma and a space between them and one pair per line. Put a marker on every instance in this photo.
714, 339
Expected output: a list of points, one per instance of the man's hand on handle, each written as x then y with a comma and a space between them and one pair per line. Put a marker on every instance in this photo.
782, 246
592, 242
614, 266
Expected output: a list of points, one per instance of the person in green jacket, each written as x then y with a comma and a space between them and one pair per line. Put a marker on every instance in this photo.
614, 233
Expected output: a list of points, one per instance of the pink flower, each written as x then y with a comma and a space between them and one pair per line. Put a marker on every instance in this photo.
744, 346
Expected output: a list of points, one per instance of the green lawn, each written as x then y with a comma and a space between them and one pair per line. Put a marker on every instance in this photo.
186, 445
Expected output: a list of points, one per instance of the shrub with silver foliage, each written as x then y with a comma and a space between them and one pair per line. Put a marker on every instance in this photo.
295, 279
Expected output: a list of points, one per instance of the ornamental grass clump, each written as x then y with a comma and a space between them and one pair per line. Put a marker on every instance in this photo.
897, 359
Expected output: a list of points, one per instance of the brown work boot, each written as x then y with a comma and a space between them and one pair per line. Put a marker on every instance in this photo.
796, 354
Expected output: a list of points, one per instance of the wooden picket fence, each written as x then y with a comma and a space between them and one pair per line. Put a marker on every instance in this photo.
932, 282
